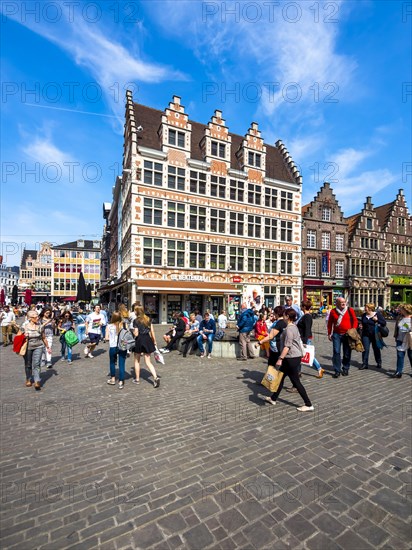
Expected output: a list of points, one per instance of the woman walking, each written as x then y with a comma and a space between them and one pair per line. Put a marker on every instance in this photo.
289, 361
273, 337
36, 342
145, 344
403, 337
115, 326
371, 321
305, 329
48, 326
66, 323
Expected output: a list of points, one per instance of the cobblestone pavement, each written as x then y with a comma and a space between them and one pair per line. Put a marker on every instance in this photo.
201, 462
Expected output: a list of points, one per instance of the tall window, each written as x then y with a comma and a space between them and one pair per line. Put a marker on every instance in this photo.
152, 251
176, 138
237, 258
369, 223
271, 229
217, 221
311, 267
152, 211
326, 214
175, 214
176, 178
254, 260
176, 253
197, 218
311, 238
286, 200
286, 231
237, 190
254, 194
339, 269
218, 149
326, 240
271, 261
197, 182
254, 159
254, 226
271, 197
401, 226
197, 256
286, 265
152, 173
236, 225
340, 242
217, 257
218, 187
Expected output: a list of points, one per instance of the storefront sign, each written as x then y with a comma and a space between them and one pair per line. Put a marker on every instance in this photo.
237, 279
198, 278
399, 280
253, 294
313, 282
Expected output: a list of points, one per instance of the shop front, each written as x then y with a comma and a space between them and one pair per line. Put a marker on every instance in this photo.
400, 290
321, 294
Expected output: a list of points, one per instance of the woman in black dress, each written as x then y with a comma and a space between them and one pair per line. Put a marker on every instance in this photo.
145, 344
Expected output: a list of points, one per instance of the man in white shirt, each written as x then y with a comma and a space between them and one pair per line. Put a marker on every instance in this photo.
222, 321
7, 320
94, 323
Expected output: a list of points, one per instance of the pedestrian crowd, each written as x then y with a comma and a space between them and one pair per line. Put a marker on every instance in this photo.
284, 333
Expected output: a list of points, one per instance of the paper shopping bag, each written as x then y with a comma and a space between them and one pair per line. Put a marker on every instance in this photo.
272, 379
309, 355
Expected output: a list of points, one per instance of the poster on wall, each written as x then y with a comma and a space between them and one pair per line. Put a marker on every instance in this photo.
253, 296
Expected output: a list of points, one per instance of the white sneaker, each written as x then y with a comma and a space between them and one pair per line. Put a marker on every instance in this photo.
166, 351
86, 351
121, 385
209, 356
90, 355
304, 408
267, 399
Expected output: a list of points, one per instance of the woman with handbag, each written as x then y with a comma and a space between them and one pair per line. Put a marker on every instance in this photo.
305, 329
145, 344
403, 338
36, 342
114, 327
47, 321
289, 361
370, 322
66, 323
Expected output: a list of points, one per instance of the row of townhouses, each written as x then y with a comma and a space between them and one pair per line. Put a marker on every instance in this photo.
202, 218
53, 271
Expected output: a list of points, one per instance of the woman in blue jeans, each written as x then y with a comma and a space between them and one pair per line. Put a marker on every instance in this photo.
114, 327
403, 337
371, 319
305, 329
66, 323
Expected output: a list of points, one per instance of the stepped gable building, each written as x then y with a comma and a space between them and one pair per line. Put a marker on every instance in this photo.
368, 256
36, 272
396, 223
324, 249
206, 218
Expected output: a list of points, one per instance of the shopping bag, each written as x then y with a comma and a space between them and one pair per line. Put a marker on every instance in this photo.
23, 349
272, 379
18, 342
158, 357
309, 355
71, 338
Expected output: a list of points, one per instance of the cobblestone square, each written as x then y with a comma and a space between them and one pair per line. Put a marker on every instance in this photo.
202, 462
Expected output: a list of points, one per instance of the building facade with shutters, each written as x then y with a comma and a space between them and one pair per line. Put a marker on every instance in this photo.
36, 272
325, 249
205, 218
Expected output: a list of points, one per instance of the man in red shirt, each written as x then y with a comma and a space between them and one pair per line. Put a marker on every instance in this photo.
341, 319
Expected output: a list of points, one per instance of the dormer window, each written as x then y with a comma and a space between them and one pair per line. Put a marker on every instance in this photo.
176, 138
326, 214
255, 159
368, 223
218, 149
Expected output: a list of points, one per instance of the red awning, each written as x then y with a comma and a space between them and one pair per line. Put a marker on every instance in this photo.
69, 299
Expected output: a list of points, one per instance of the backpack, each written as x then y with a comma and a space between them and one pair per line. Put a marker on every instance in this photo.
71, 338
219, 334
125, 340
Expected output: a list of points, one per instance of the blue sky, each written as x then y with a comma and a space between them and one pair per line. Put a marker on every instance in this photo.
331, 79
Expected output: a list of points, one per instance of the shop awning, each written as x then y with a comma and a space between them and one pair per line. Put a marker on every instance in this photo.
185, 287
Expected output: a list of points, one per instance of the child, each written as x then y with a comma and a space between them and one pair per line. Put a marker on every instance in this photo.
114, 327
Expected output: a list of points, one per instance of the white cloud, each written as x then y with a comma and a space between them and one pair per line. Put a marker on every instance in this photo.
42, 150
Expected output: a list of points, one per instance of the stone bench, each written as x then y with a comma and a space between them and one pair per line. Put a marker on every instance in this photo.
228, 347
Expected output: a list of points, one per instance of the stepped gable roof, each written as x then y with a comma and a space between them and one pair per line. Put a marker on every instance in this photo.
88, 245
150, 119
352, 222
26, 254
383, 212
305, 208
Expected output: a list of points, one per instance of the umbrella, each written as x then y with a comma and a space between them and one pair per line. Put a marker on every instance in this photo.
2, 296
89, 293
81, 289
27, 296
15, 295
